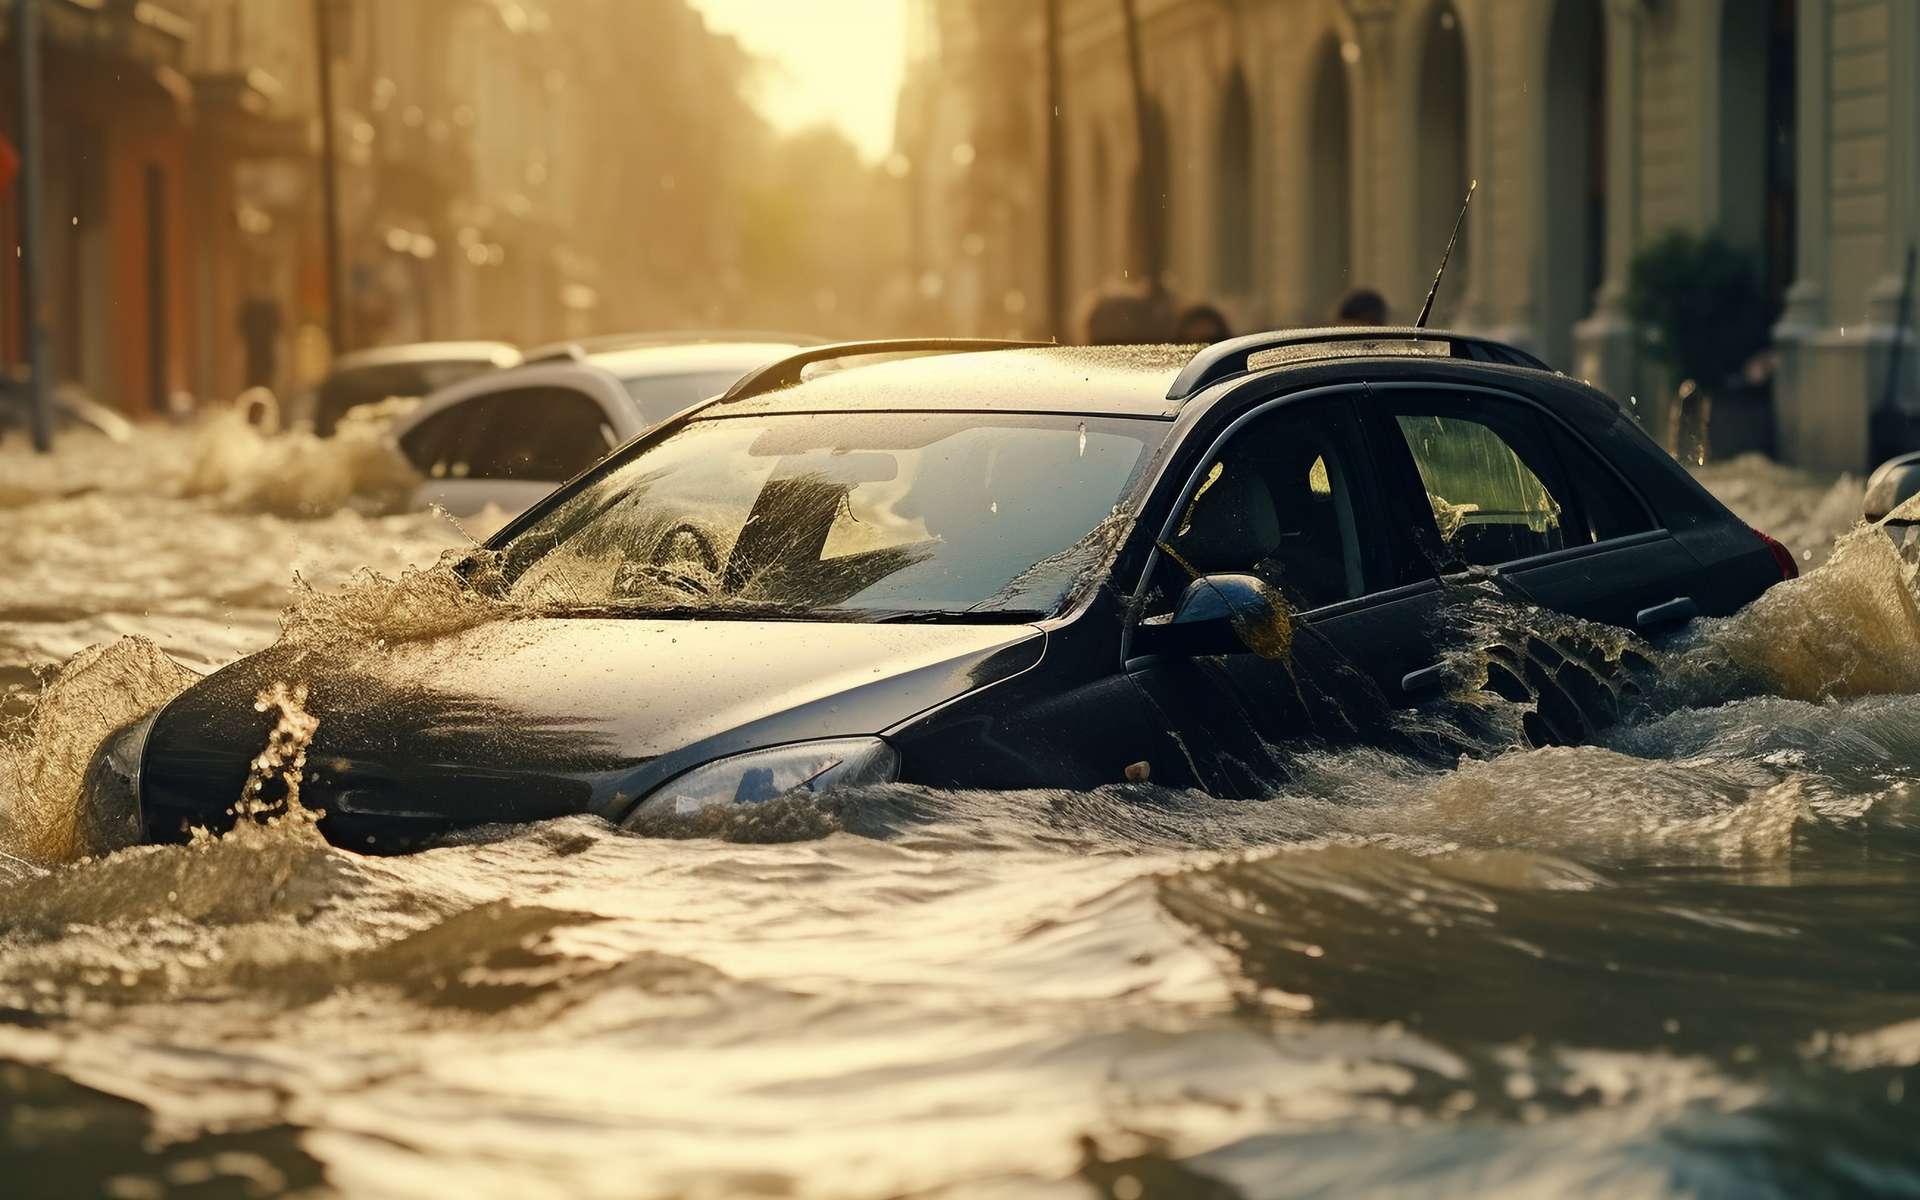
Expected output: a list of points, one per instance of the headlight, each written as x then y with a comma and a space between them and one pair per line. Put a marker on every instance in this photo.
110, 795
761, 775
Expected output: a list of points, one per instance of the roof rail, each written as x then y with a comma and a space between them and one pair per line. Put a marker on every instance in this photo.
1223, 360
789, 370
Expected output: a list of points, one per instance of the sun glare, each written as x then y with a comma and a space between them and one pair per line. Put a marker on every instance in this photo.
834, 61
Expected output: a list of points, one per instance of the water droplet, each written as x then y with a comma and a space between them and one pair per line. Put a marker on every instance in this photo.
1083, 439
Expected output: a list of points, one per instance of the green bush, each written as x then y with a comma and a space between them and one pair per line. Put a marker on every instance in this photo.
1699, 304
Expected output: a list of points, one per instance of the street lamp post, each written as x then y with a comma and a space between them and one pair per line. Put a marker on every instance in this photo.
26, 40
1056, 184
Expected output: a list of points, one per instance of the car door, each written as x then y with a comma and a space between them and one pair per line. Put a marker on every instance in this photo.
506, 449
1509, 500
1287, 494
1499, 487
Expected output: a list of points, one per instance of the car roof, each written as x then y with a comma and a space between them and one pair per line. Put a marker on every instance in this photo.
698, 358
581, 349
1092, 380
499, 354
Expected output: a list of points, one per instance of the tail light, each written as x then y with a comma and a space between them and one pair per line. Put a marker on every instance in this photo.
1782, 557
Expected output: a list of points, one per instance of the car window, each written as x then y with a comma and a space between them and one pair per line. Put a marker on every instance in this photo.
855, 512
350, 389
660, 396
544, 434
1610, 508
1504, 482
1286, 500
1488, 504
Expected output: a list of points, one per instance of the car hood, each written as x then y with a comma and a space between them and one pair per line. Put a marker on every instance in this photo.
528, 719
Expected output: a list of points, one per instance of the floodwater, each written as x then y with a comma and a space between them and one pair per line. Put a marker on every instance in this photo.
1682, 962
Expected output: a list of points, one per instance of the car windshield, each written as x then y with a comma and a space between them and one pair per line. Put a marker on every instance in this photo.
869, 515
660, 396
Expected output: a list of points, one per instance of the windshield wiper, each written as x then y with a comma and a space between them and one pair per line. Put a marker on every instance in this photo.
948, 616
698, 612
798, 612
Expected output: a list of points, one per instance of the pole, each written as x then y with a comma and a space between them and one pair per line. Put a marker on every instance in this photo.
329, 177
26, 40
1056, 184
1900, 322
1148, 182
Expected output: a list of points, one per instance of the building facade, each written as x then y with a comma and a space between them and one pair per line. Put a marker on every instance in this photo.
1299, 148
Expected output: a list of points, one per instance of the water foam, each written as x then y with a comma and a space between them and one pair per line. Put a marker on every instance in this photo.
44, 755
294, 473
1850, 627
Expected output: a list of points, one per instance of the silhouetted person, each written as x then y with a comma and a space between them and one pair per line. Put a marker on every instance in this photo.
1201, 323
1361, 306
260, 335
1126, 316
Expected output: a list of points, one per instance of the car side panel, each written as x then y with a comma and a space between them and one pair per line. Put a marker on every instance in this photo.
1073, 720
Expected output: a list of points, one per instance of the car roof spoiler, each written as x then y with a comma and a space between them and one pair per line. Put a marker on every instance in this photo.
1223, 360
791, 369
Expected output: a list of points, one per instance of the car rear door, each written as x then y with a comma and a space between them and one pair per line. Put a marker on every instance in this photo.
1498, 487
1516, 510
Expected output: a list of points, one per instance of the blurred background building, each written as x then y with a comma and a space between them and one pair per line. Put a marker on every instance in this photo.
526, 170
1297, 148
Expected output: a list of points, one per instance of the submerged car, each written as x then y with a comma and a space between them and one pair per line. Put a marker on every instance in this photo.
980, 566
507, 438
410, 371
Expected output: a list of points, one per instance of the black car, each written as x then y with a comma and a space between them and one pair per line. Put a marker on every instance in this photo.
988, 566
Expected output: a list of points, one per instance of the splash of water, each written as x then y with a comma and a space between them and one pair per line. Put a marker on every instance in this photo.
1851, 627
275, 774
375, 610
295, 474
44, 755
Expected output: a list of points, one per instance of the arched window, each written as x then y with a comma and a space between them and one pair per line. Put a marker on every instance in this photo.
1329, 233
1576, 167
1442, 157
1233, 218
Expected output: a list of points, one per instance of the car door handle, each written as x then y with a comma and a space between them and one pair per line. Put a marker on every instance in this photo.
1426, 679
1680, 608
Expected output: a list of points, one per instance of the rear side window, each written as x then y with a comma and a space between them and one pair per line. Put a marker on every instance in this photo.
541, 434
1504, 482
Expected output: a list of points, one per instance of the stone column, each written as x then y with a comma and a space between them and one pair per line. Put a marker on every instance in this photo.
1476, 307
1895, 428
1605, 341
1794, 391
1379, 260
1513, 265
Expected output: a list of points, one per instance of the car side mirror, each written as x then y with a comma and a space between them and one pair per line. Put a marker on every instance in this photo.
1891, 485
1223, 614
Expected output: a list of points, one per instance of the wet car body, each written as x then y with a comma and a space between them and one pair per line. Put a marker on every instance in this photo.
506, 438
410, 370
639, 717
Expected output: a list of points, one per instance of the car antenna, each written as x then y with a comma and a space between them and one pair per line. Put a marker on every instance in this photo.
1426, 310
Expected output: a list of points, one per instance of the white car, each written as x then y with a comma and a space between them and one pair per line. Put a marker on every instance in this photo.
503, 440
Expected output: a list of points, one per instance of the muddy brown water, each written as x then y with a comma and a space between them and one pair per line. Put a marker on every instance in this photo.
1685, 961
